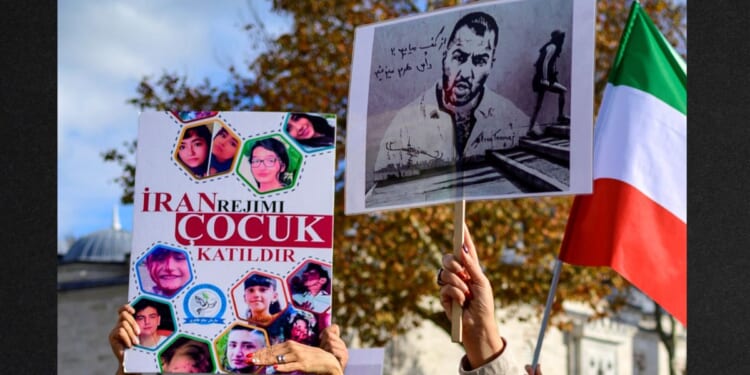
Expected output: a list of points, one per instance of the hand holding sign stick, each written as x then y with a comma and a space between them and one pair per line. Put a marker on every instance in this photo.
466, 295
454, 267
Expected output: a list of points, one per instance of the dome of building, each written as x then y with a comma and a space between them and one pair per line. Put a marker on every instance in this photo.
62, 246
105, 246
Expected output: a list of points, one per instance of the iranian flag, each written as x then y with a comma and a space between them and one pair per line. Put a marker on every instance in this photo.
636, 219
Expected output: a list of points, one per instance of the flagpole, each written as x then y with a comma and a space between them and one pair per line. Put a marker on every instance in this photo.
459, 214
547, 308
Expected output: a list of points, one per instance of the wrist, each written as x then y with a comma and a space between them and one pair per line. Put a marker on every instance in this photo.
337, 370
335, 367
482, 350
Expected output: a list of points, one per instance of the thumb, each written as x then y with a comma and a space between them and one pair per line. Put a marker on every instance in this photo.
334, 329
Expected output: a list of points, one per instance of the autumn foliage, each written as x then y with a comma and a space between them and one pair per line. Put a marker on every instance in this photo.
385, 264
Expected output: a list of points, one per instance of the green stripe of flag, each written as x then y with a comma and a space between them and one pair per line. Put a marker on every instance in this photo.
646, 61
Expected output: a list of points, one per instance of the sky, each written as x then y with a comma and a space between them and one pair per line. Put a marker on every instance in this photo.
104, 49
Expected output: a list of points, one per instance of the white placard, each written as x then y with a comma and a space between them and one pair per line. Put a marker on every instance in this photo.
441, 105
232, 236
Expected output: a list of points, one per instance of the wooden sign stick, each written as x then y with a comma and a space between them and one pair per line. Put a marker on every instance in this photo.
459, 214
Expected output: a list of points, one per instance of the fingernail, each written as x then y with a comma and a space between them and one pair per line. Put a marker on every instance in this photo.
275, 367
466, 249
463, 276
249, 358
137, 341
468, 294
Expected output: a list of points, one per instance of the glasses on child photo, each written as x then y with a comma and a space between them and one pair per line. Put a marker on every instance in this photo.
270, 162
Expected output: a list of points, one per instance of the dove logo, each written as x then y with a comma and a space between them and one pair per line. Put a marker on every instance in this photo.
204, 304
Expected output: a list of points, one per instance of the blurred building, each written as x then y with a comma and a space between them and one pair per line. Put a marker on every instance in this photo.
92, 276
609, 346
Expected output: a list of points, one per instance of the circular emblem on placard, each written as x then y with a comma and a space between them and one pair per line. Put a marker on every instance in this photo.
204, 304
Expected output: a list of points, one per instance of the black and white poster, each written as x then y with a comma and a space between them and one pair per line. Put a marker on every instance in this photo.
482, 101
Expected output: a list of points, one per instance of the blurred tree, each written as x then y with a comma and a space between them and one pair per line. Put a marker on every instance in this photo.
386, 263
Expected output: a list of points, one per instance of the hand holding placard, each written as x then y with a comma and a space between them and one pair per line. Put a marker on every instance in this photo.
465, 285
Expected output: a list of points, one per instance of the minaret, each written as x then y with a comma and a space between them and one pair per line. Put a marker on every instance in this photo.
116, 218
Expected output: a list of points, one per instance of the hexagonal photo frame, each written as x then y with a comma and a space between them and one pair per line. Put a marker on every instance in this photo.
191, 116
193, 149
234, 344
186, 354
269, 164
304, 327
310, 286
164, 271
259, 298
156, 320
312, 132
204, 304
207, 149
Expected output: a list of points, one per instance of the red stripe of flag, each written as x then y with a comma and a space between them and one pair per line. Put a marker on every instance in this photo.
619, 227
